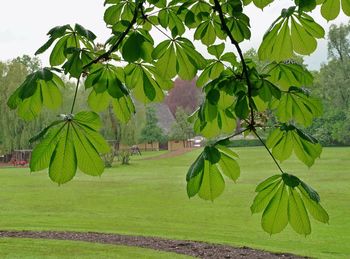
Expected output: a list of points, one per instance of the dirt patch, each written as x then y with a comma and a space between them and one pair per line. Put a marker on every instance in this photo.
192, 248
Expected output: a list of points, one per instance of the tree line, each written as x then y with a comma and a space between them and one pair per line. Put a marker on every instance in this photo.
331, 86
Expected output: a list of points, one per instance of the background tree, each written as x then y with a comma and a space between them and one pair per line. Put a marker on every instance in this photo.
332, 86
184, 94
151, 132
182, 129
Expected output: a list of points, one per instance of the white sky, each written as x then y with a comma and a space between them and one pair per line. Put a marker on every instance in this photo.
24, 24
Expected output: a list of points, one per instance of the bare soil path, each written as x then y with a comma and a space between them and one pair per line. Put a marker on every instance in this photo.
191, 248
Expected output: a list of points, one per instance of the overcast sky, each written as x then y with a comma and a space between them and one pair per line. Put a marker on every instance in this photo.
24, 24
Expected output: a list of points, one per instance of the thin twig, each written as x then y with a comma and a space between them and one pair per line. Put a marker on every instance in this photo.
268, 150
75, 94
161, 31
238, 133
107, 54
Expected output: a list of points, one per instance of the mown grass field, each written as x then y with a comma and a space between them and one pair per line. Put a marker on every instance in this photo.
42, 249
148, 198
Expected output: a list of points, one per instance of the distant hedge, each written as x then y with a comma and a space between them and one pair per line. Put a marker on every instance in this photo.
245, 143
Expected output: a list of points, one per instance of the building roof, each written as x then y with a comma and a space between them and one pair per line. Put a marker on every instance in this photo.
165, 118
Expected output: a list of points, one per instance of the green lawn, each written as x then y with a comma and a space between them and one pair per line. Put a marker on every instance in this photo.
149, 198
38, 248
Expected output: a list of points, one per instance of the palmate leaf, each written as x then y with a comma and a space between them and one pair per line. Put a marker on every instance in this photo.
106, 80
296, 105
74, 143
263, 91
330, 9
67, 38
138, 45
285, 198
286, 75
123, 107
178, 57
208, 28
216, 66
287, 138
39, 89
119, 10
168, 18
292, 32
212, 121
205, 175
239, 25
146, 83
216, 114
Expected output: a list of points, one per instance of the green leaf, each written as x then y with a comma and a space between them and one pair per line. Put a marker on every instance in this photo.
166, 64
123, 108
229, 167
216, 50
262, 3
330, 9
99, 101
57, 56
74, 64
303, 42
194, 176
132, 47
284, 37
145, 83
212, 154
297, 106
206, 33
311, 26
286, 202
297, 214
212, 183
275, 215
84, 32
43, 132
239, 26
267, 182
88, 119
44, 47
313, 207
88, 158
287, 74
42, 153
63, 164
285, 139
204, 176
76, 143
55, 33
264, 196
345, 4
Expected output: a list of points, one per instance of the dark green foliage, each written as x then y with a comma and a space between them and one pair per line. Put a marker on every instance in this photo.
151, 132
182, 129
245, 143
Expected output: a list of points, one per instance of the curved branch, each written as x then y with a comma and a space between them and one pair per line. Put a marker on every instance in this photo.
225, 28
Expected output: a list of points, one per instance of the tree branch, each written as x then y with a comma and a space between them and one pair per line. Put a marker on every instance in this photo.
225, 28
75, 95
107, 54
